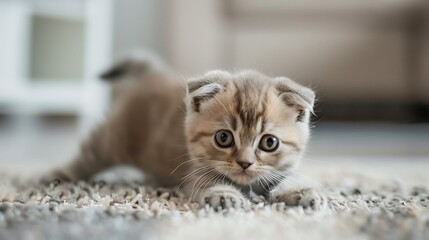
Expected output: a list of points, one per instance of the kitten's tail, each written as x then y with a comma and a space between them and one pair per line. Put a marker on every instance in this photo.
134, 66
133, 71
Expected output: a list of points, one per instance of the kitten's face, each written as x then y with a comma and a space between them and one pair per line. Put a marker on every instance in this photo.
247, 126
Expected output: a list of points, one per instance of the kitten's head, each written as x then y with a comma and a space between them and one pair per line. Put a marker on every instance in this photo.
247, 126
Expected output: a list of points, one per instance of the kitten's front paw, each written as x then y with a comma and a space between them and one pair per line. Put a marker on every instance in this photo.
224, 198
306, 197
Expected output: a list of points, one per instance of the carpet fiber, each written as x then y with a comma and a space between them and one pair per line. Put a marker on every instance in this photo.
357, 208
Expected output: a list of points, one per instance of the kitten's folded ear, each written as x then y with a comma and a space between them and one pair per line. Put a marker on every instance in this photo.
295, 95
200, 91
205, 88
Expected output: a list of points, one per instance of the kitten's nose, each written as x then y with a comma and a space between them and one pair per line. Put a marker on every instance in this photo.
244, 165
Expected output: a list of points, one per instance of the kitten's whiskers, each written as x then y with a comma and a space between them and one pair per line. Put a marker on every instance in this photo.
198, 179
191, 160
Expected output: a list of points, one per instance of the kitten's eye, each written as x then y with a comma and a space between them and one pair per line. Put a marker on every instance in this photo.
224, 138
269, 143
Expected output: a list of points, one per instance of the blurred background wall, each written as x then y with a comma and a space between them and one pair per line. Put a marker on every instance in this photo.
368, 62
366, 59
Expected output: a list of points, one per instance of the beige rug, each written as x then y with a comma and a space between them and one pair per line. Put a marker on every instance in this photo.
359, 206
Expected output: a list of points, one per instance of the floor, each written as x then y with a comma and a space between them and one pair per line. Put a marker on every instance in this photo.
355, 207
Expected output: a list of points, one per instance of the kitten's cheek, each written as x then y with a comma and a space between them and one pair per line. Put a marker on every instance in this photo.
197, 150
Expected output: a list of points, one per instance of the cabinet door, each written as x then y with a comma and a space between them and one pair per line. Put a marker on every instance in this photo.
13, 49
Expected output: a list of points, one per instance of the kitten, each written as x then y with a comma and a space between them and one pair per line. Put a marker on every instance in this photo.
241, 134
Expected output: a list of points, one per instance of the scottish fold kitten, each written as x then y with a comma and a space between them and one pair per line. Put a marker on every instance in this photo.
222, 137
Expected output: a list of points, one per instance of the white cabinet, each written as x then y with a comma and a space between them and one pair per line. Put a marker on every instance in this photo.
51, 53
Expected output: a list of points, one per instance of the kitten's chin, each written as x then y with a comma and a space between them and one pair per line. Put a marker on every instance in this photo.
243, 178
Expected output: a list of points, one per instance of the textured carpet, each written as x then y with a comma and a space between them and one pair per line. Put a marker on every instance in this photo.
358, 207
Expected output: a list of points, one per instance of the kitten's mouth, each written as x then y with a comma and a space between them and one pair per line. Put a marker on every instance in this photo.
240, 176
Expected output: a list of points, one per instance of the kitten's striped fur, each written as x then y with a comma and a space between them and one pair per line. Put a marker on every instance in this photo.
149, 128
